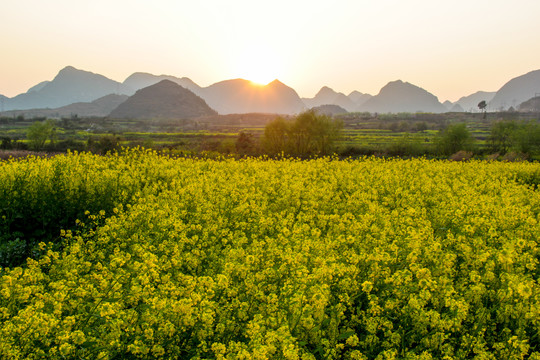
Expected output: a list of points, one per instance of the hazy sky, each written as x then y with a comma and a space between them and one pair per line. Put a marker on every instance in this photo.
450, 48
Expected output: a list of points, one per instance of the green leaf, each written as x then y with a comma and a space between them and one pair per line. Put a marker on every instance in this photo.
346, 334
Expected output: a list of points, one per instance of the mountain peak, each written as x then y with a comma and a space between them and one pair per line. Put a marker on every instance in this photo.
328, 96
69, 86
326, 91
68, 70
399, 96
236, 96
165, 100
276, 83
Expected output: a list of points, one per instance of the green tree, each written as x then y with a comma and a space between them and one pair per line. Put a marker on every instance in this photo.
313, 134
502, 136
527, 139
39, 132
103, 144
308, 134
245, 145
6, 143
275, 136
453, 139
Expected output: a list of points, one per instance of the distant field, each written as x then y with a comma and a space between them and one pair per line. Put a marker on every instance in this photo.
384, 133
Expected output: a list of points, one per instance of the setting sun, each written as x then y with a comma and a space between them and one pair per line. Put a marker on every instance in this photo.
258, 64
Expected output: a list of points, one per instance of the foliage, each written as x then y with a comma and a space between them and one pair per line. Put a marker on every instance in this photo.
275, 136
245, 144
454, 138
527, 138
40, 196
320, 259
502, 136
39, 132
482, 105
103, 144
521, 137
308, 134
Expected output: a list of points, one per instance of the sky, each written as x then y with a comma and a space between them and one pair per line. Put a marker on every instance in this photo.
450, 48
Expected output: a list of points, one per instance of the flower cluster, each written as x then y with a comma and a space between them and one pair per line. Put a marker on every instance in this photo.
264, 259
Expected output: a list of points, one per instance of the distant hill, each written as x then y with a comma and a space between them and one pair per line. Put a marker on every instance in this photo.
327, 96
100, 108
398, 96
470, 103
329, 109
69, 86
240, 96
456, 108
139, 80
164, 100
531, 105
448, 104
516, 91
359, 98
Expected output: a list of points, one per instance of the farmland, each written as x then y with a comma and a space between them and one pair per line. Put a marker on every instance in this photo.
139, 255
363, 133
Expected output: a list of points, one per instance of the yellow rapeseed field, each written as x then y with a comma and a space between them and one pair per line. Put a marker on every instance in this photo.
269, 259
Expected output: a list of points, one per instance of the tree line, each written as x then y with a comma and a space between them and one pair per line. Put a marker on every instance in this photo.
312, 134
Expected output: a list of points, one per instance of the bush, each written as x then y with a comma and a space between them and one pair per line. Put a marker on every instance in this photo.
453, 139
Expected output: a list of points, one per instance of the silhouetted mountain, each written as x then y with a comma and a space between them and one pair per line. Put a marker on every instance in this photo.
516, 91
398, 96
470, 103
359, 98
3, 100
69, 86
38, 87
240, 96
139, 80
100, 107
327, 96
329, 109
164, 100
448, 104
531, 105
456, 108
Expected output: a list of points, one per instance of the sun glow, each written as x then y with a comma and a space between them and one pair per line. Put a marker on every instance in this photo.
258, 64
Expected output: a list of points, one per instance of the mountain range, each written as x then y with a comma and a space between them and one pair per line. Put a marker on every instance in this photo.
77, 91
100, 108
327, 96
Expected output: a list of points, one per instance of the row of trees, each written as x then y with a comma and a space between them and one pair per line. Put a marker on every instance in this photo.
523, 137
313, 134
505, 136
